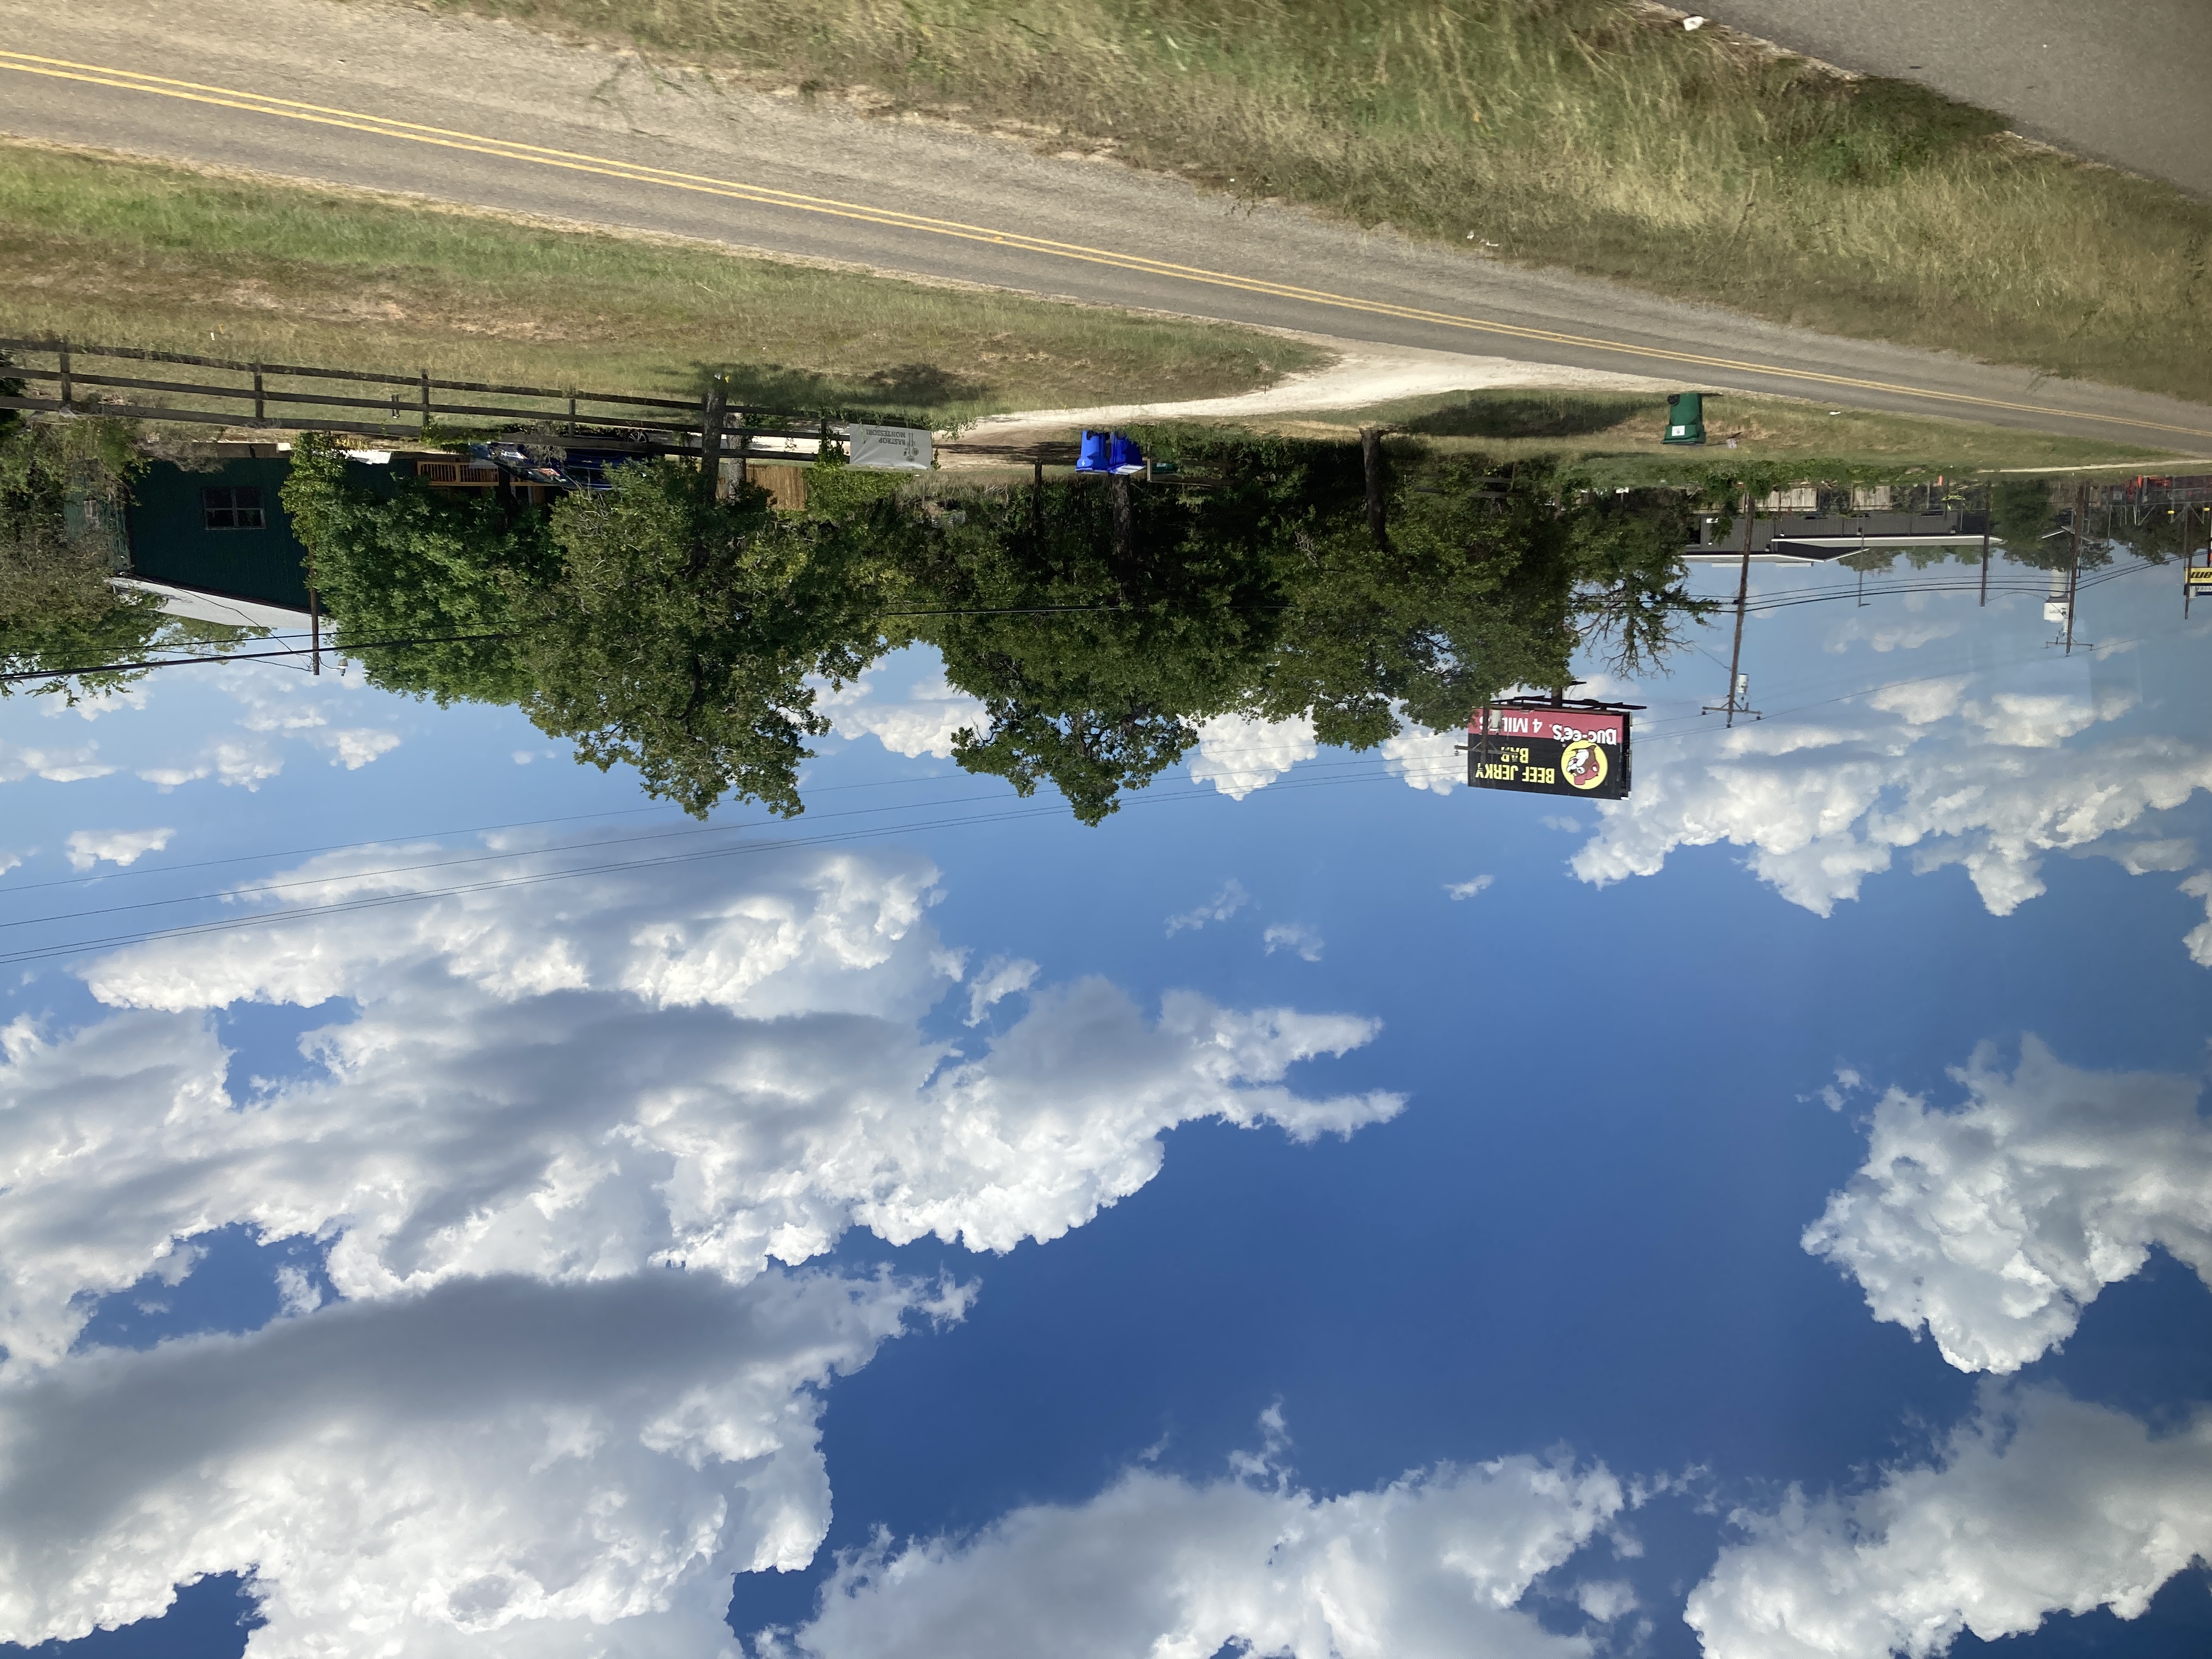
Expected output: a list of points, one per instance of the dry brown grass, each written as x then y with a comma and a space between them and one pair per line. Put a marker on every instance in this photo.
1587, 134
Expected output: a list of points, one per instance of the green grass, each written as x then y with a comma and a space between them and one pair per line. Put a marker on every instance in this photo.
1620, 431
119, 252
1575, 133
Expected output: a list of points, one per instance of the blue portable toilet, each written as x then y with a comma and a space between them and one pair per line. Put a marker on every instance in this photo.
1092, 457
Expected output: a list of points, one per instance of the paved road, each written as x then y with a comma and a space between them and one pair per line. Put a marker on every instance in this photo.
490, 115
2127, 82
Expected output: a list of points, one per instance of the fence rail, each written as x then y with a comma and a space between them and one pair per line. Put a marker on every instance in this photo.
682, 426
60, 365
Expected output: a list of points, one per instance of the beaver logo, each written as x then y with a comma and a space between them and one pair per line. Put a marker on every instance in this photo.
1584, 763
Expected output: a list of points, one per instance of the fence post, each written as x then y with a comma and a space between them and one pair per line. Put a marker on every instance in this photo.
426, 403
64, 356
258, 411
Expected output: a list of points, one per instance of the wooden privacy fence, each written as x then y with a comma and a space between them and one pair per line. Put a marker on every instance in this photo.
64, 377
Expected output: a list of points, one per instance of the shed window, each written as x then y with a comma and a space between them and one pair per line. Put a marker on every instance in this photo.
237, 507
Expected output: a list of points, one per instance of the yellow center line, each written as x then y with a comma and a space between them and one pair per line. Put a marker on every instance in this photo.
573, 161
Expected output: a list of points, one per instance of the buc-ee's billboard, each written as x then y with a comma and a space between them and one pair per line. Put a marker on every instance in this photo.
1549, 751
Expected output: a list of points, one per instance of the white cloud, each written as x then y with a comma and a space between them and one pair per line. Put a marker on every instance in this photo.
1429, 1566
2143, 857
1237, 754
297, 1293
1994, 1226
2197, 941
1469, 888
1986, 783
1427, 759
1294, 936
998, 978
1227, 902
578, 1083
89, 846
1886, 631
54, 765
925, 723
1921, 701
91, 705
9, 861
1571, 825
1606, 1600
499, 1467
2038, 1505
355, 747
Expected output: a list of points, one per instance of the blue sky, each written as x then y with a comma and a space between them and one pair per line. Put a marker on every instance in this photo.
1334, 1261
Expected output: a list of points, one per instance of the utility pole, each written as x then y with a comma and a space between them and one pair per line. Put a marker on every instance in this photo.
1737, 702
1742, 593
2074, 570
2187, 554
1988, 500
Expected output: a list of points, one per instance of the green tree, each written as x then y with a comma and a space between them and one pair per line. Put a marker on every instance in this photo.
679, 634
401, 561
59, 607
1098, 647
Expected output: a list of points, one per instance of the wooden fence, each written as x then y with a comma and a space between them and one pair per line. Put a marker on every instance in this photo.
65, 377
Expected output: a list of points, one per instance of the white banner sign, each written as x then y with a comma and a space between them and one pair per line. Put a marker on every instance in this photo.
890, 448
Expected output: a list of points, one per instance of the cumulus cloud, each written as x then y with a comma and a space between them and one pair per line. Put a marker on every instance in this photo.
1427, 759
355, 747
246, 765
1237, 754
497, 1466
1227, 902
87, 848
1294, 936
1993, 1226
1430, 1566
1885, 631
54, 765
999, 978
925, 722
249, 717
1986, 782
635, 1069
2039, 1504
2143, 857
1469, 888
91, 705
2197, 941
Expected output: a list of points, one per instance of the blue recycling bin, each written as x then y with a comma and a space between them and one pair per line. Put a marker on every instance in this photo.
1092, 457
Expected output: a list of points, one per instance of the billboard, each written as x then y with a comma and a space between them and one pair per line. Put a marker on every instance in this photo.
1549, 751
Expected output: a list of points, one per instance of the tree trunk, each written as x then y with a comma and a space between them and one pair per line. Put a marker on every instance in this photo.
1124, 536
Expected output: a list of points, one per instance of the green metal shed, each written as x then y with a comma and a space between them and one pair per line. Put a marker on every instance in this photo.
222, 532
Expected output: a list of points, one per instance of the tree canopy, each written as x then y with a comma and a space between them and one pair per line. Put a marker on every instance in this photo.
1101, 621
